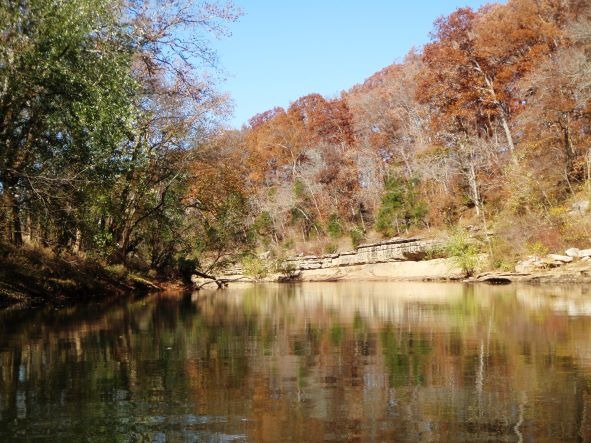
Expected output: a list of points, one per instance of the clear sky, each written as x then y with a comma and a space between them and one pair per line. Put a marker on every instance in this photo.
283, 49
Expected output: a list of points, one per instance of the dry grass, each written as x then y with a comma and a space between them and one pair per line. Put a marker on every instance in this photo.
35, 276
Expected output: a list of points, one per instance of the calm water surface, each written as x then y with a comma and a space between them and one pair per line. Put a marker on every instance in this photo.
311, 362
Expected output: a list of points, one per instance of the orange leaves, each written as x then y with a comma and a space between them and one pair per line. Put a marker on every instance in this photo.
275, 139
449, 115
278, 139
218, 172
453, 77
512, 38
476, 59
324, 120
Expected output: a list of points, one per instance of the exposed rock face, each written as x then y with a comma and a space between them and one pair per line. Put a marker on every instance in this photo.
396, 249
534, 264
395, 259
530, 264
406, 259
560, 258
436, 269
576, 272
573, 267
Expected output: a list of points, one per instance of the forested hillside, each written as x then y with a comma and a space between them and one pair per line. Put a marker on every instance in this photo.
111, 145
487, 126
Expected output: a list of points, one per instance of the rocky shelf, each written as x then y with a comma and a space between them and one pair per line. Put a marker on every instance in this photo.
396, 249
394, 259
411, 259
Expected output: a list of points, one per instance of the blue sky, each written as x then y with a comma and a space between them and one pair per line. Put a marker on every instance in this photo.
282, 50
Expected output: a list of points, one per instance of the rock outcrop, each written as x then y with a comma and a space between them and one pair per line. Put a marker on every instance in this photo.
396, 249
572, 267
410, 259
394, 259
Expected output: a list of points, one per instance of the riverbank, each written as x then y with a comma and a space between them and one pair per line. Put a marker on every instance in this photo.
33, 276
412, 259
439, 270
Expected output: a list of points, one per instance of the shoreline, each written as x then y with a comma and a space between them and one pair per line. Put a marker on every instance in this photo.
32, 277
435, 270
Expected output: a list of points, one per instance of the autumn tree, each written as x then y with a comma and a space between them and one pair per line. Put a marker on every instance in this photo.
557, 95
391, 129
475, 59
219, 212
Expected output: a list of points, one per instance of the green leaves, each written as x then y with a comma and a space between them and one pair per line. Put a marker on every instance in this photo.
401, 208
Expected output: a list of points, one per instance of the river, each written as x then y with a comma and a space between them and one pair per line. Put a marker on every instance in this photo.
308, 362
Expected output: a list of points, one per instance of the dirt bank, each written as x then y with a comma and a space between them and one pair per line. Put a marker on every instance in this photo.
30, 277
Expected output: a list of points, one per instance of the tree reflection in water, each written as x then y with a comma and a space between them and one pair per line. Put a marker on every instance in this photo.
310, 362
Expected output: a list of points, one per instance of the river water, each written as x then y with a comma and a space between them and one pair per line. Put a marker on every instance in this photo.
309, 362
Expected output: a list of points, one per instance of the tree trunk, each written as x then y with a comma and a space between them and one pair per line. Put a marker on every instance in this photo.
502, 112
569, 152
508, 135
12, 224
588, 172
474, 188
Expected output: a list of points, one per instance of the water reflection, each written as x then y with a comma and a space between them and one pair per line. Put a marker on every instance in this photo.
312, 362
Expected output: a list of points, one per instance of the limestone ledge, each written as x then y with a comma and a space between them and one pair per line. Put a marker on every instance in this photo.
396, 249
394, 259
436, 269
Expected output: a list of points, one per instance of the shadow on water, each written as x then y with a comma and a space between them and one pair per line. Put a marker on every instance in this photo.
308, 362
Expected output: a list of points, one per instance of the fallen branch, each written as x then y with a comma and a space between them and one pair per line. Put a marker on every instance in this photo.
222, 283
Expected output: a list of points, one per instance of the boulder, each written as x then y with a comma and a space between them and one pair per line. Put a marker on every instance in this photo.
559, 258
499, 278
580, 207
530, 264
572, 252
585, 253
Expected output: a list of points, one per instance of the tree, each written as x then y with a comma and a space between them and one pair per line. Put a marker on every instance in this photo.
401, 208
65, 101
472, 66
104, 104
178, 109
218, 208
557, 97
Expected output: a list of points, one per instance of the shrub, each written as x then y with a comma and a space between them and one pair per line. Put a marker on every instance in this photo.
255, 267
537, 248
330, 248
357, 236
334, 227
463, 250
298, 189
186, 267
263, 224
503, 254
118, 271
287, 270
